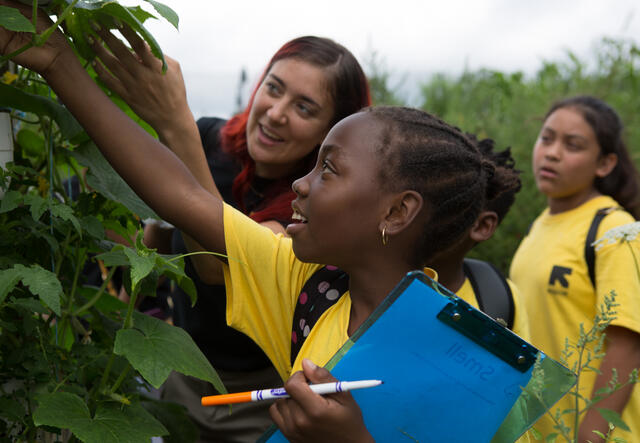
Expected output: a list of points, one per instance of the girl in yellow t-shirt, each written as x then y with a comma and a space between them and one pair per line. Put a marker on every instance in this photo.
391, 187
582, 165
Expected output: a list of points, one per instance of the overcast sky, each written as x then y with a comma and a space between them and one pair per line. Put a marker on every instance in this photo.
414, 38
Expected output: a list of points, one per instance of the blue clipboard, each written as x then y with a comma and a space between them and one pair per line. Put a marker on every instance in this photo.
450, 372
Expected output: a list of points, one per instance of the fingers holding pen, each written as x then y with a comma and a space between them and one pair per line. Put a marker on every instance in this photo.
307, 416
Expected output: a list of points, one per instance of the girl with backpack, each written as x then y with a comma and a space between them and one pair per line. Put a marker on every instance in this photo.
391, 187
582, 166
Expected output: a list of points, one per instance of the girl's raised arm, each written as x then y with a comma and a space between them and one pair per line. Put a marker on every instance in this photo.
152, 170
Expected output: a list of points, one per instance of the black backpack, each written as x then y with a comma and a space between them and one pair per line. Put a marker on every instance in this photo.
325, 287
589, 250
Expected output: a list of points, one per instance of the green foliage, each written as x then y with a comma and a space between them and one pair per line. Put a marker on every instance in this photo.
510, 107
75, 362
588, 351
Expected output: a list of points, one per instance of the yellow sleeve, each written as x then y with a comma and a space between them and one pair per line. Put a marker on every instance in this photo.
616, 269
263, 279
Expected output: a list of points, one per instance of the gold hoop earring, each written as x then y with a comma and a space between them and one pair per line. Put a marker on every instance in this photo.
385, 239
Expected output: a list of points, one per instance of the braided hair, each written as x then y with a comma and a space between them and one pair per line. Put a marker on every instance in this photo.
505, 182
622, 183
423, 153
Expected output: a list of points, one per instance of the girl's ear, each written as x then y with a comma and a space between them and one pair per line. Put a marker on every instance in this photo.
606, 163
404, 208
484, 226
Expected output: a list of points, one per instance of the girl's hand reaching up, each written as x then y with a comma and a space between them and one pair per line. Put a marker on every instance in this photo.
308, 417
37, 58
135, 74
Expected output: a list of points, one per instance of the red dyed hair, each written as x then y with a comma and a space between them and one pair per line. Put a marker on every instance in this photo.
350, 93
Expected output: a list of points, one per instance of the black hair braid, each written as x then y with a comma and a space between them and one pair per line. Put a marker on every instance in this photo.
421, 152
504, 183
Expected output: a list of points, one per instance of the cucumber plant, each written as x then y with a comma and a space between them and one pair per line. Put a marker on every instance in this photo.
76, 363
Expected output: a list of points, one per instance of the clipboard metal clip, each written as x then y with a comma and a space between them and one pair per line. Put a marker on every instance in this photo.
489, 334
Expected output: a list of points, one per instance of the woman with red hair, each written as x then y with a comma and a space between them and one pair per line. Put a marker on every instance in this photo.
309, 84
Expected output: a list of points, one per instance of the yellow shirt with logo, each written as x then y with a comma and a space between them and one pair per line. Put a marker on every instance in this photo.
550, 271
520, 319
263, 280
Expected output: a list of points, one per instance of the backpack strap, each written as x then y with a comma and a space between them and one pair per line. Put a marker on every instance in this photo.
491, 289
589, 250
323, 289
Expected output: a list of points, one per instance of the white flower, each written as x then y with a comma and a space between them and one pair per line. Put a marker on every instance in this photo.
623, 233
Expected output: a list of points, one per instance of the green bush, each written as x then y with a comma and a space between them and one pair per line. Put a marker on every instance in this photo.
509, 108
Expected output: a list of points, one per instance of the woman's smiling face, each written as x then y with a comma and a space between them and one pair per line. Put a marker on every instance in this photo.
289, 117
339, 204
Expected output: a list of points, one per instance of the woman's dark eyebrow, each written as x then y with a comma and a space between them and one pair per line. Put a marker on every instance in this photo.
303, 97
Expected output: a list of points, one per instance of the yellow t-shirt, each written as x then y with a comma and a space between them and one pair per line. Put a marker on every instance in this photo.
551, 273
263, 280
520, 318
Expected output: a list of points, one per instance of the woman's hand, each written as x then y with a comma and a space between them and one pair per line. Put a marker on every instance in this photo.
37, 58
158, 98
308, 417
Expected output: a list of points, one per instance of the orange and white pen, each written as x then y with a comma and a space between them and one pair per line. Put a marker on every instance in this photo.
270, 394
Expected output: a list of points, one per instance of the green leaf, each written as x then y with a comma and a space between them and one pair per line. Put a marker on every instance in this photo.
536, 434
32, 143
155, 348
36, 204
9, 278
10, 201
614, 418
115, 257
62, 334
140, 266
165, 11
140, 13
65, 213
104, 179
92, 226
111, 424
42, 283
174, 417
175, 271
30, 305
17, 99
11, 409
13, 20
61, 410
111, 8
126, 16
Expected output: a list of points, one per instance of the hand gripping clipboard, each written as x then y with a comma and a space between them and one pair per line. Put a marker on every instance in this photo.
450, 372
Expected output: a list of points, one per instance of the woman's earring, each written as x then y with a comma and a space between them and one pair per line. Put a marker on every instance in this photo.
385, 239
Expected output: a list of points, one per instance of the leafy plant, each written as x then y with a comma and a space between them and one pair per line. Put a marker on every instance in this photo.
76, 362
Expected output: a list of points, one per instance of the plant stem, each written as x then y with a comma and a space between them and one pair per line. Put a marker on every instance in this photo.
42, 38
128, 321
120, 379
635, 259
96, 297
82, 257
105, 374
